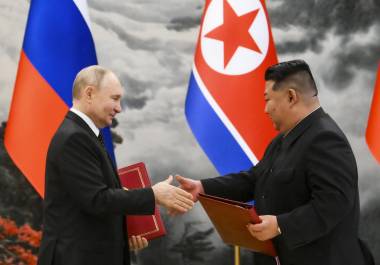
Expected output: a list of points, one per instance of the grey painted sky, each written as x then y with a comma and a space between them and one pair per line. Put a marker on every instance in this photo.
150, 44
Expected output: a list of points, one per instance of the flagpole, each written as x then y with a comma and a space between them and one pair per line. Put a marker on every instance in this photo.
237, 255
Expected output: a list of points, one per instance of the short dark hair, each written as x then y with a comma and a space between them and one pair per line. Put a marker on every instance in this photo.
296, 72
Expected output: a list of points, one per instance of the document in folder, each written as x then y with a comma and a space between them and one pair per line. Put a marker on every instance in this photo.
149, 226
230, 219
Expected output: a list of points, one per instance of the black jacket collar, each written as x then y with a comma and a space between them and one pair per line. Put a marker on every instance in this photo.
302, 126
78, 120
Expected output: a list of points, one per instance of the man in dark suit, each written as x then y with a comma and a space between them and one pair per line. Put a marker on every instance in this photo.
84, 203
306, 186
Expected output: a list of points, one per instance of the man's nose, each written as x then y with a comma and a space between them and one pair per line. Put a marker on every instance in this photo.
118, 108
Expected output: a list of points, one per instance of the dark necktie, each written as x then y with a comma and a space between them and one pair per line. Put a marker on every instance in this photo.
100, 138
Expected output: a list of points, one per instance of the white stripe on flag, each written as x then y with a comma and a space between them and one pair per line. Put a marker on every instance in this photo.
224, 118
82, 6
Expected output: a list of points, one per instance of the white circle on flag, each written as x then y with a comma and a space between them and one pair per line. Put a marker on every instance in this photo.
244, 60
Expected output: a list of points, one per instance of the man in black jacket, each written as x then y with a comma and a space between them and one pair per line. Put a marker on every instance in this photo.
84, 203
306, 186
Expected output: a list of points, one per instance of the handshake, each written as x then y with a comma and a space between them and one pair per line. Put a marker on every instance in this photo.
177, 200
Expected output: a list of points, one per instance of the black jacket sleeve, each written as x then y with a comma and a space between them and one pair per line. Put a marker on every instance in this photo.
238, 186
80, 165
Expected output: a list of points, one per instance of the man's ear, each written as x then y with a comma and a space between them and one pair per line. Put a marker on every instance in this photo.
293, 96
88, 92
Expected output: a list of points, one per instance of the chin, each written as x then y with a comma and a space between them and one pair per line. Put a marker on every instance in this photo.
105, 124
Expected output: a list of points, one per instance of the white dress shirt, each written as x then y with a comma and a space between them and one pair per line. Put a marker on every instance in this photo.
87, 120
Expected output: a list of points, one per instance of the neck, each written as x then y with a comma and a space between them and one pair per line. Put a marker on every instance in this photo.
79, 107
83, 109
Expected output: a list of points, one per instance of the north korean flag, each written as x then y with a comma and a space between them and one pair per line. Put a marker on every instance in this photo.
225, 102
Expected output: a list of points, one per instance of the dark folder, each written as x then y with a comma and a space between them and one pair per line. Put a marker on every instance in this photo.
230, 219
149, 226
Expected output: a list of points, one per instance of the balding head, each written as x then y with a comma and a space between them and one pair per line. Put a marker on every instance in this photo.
90, 76
97, 93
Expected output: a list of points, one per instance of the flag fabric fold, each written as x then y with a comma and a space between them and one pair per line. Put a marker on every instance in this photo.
225, 103
373, 127
57, 44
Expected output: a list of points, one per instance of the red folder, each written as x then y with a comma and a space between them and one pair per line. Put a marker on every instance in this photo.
149, 226
230, 219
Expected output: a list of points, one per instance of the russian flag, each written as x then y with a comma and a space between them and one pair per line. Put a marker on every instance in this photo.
57, 45
225, 99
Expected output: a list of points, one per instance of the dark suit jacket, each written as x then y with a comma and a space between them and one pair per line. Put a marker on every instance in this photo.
309, 180
84, 204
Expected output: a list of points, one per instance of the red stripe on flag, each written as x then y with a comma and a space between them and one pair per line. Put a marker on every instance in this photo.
35, 114
242, 96
373, 127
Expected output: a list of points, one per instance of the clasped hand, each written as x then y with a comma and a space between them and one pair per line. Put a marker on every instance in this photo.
171, 197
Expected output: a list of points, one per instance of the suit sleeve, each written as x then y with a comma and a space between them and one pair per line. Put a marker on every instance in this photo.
80, 169
238, 186
332, 181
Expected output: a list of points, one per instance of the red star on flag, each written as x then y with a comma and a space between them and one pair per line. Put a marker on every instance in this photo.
234, 32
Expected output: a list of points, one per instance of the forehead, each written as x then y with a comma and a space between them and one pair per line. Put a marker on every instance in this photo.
268, 87
111, 85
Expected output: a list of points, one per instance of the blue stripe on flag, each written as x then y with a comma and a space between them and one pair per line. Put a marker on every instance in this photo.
58, 42
213, 136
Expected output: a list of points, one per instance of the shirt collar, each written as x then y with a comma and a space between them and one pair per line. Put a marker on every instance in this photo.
87, 120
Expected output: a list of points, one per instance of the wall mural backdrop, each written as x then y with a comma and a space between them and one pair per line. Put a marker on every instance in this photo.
150, 45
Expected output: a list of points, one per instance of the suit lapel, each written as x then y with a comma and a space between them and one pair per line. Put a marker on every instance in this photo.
78, 120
